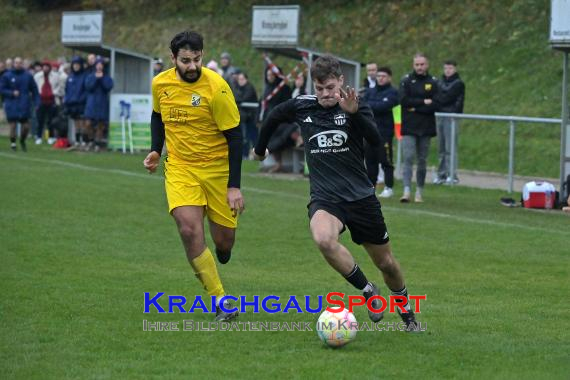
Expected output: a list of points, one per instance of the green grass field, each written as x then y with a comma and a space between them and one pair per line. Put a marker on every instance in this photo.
83, 236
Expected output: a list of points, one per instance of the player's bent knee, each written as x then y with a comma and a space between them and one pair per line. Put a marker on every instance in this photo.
224, 238
225, 243
325, 242
190, 231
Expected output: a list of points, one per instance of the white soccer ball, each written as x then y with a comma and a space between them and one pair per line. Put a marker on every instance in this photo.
337, 329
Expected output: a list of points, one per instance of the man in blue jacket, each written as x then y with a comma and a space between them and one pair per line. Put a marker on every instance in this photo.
74, 99
381, 100
98, 86
20, 92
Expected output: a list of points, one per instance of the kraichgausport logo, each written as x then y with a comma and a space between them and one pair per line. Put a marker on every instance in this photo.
274, 304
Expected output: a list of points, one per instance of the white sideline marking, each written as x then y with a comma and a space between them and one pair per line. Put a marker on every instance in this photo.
464, 219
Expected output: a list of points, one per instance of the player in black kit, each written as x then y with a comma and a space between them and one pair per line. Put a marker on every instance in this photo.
333, 125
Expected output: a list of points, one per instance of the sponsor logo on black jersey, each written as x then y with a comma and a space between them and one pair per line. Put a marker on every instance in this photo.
332, 138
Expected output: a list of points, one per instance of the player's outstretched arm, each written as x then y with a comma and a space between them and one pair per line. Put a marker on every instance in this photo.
283, 113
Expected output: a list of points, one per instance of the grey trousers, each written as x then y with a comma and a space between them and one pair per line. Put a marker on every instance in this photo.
415, 147
444, 140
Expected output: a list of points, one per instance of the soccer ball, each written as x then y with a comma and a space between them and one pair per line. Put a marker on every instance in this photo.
337, 329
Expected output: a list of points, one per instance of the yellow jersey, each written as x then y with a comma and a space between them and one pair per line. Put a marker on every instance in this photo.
194, 116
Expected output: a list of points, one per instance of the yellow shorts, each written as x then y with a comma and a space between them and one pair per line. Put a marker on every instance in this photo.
194, 186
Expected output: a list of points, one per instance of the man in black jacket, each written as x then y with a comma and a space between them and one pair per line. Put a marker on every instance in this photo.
418, 97
244, 92
451, 98
371, 71
381, 100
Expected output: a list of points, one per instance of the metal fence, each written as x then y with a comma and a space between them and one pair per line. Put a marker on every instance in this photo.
512, 120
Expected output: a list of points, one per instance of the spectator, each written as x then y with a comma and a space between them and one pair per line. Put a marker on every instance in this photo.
9, 64
61, 122
274, 94
20, 94
213, 65
227, 69
64, 70
98, 85
245, 92
34, 68
418, 97
61, 61
300, 86
2, 71
273, 79
157, 66
74, 101
371, 71
49, 88
451, 98
381, 100
90, 64
235, 75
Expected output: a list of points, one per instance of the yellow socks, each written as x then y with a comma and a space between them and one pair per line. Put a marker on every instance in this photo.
205, 269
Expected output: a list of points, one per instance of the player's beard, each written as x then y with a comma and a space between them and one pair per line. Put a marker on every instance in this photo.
189, 76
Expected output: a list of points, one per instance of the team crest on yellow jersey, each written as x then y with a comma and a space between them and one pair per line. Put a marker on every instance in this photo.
427, 86
195, 101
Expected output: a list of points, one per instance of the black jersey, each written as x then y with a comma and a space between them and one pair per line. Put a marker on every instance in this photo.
333, 146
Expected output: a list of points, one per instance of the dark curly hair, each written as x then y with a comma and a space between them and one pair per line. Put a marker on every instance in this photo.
188, 39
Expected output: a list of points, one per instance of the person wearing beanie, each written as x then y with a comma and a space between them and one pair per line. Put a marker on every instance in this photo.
227, 69
98, 86
213, 65
20, 93
74, 101
157, 66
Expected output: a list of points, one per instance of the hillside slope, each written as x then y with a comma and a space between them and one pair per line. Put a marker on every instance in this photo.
501, 46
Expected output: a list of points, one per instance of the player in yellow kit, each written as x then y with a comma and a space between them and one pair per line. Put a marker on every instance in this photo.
195, 111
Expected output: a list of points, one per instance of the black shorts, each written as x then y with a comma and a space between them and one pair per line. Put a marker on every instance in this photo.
363, 218
21, 120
